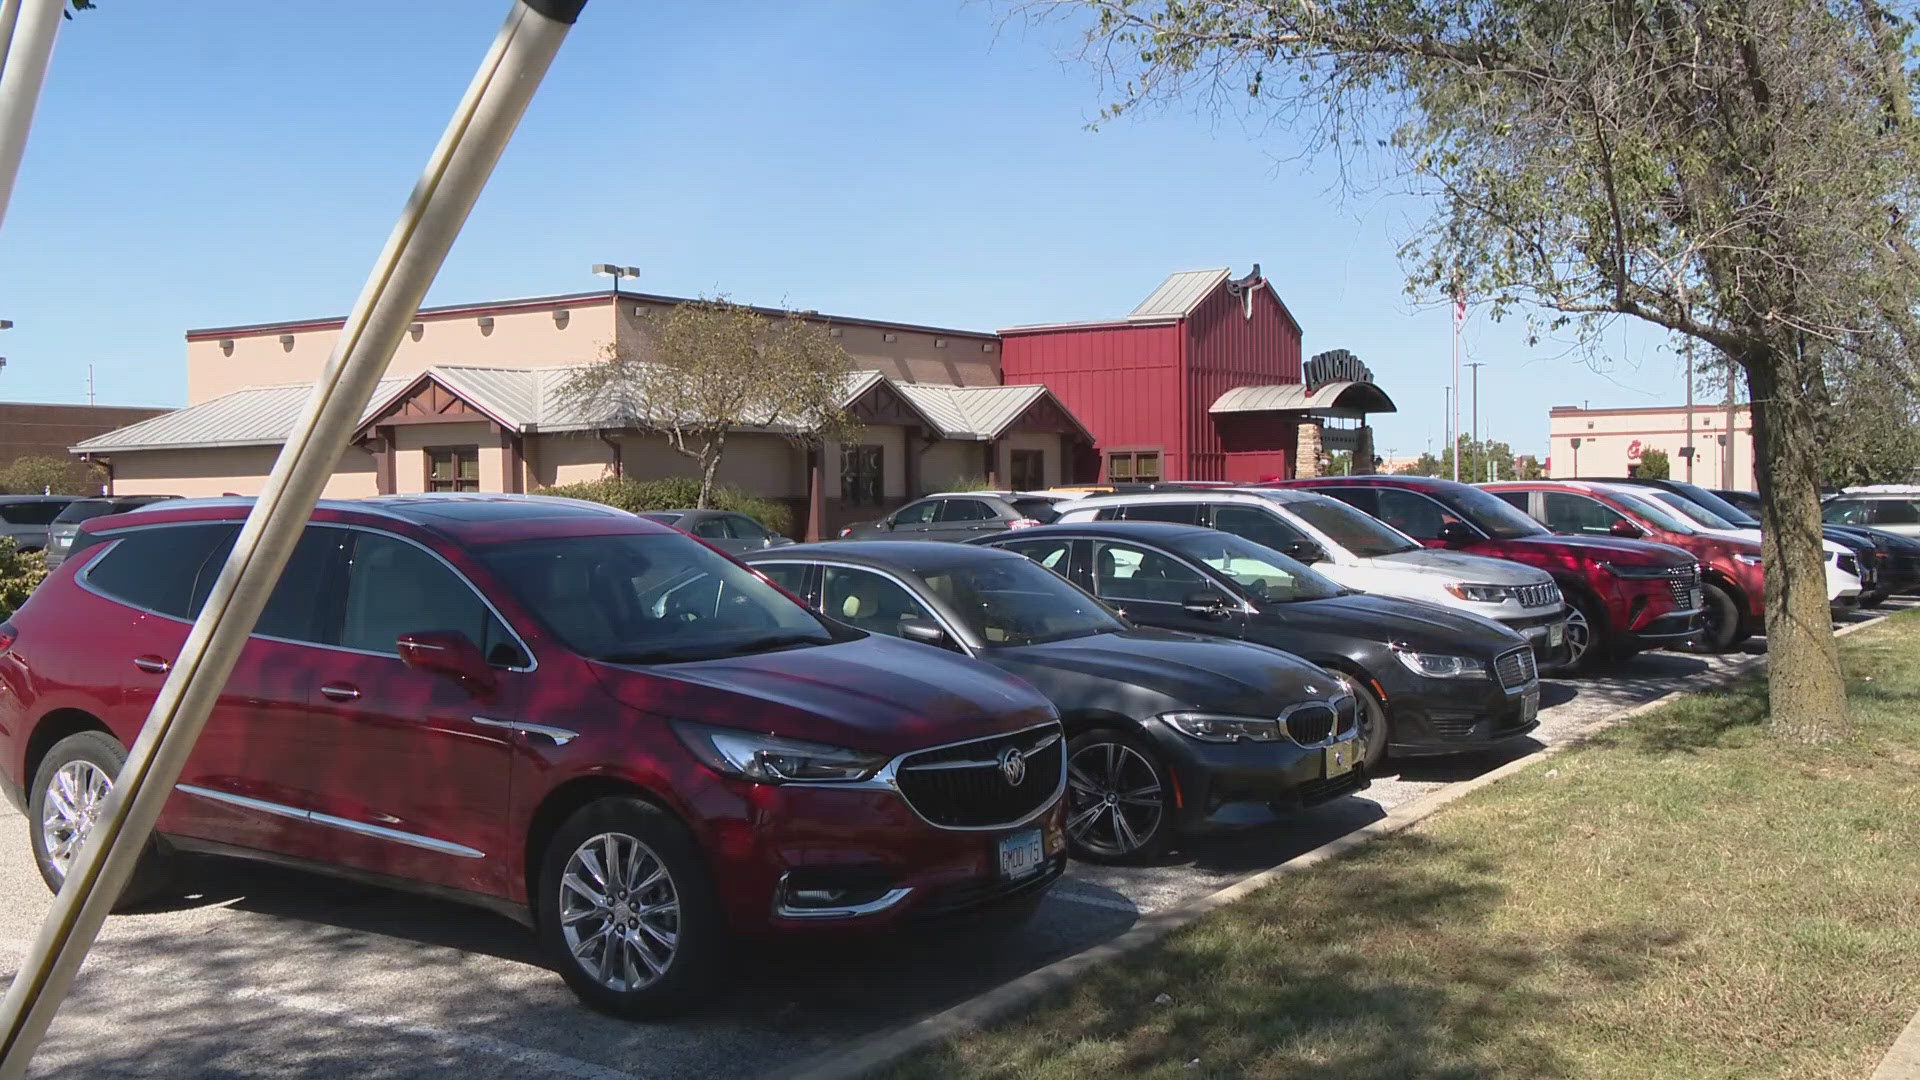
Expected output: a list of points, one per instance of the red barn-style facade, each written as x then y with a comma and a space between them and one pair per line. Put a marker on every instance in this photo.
1202, 381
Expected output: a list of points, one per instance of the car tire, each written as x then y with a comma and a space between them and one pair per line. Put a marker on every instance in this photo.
84, 767
1722, 620
669, 954
1587, 646
1874, 599
1375, 733
1111, 815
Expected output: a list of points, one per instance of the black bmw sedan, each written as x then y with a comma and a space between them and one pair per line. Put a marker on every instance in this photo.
1428, 680
1169, 734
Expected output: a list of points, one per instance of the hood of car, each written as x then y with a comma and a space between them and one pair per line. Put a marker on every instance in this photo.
1458, 566
1597, 549
1144, 671
1413, 623
876, 694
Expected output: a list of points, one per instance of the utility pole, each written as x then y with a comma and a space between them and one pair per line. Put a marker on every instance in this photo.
1477, 449
89, 384
1446, 421
1689, 450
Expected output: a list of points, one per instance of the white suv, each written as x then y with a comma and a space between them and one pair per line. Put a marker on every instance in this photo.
1358, 551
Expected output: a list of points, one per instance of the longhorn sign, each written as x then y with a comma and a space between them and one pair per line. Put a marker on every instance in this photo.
1334, 365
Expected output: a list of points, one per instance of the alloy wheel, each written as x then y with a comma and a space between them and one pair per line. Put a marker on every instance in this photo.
75, 794
1579, 638
619, 911
1114, 801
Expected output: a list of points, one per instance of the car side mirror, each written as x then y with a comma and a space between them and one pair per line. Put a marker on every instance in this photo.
452, 654
922, 629
1306, 551
1207, 604
1456, 532
1625, 529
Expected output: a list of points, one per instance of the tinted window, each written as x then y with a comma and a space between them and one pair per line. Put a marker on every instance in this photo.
917, 513
1413, 513
305, 605
1366, 537
85, 509
1845, 513
395, 588
1515, 499
1576, 514
1692, 511
867, 600
745, 528
1894, 512
661, 598
664, 519
161, 569
1051, 554
1126, 573
31, 513
713, 528
1483, 512
789, 576
1014, 602
1255, 524
1178, 513
966, 510
1260, 572
1110, 513
1040, 510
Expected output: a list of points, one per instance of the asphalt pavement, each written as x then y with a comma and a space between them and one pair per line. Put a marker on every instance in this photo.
272, 973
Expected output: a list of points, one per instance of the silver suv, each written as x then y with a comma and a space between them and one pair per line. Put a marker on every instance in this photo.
1894, 508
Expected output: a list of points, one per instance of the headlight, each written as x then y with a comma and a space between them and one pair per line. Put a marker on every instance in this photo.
1208, 727
1640, 572
1441, 665
1748, 560
769, 759
1480, 594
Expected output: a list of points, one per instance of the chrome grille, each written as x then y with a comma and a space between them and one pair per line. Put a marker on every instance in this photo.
1311, 722
1514, 669
1683, 580
1545, 595
964, 786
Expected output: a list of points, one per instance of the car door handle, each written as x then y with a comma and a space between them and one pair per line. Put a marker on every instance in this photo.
151, 664
340, 691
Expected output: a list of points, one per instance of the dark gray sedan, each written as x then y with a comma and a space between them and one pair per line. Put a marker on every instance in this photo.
735, 534
960, 515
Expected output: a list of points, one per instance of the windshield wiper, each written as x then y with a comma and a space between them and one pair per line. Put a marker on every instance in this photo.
773, 644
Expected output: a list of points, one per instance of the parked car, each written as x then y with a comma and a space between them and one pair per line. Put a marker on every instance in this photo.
25, 518
731, 532
1747, 501
1239, 730
1360, 552
1428, 680
1731, 576
1897, 556
959, 516
586, 721
1894, 508
66, 524
1626, 595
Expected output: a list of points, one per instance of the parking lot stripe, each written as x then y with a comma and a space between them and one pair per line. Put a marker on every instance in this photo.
1114, 903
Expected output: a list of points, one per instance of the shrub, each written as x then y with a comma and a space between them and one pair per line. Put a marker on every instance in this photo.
674, 493
968, 483
19, 573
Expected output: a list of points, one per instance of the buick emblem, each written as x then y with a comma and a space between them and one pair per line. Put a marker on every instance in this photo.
1013, 766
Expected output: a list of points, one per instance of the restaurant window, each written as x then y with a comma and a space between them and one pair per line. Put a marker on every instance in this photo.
1029, 470
1134, 466
860, 474
453, 468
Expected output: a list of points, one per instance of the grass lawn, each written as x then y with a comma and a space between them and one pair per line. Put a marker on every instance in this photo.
1682, 898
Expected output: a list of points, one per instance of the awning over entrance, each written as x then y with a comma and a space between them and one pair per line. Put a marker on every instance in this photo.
1349, 400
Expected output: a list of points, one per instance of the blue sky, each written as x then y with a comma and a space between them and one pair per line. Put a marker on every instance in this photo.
224, 162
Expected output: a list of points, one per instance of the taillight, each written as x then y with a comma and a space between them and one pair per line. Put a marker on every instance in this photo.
8, 635
1022, 523
846, 532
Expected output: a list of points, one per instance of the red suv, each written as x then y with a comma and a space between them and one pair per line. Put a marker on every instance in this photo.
587, 721
1732, 585
1626, 595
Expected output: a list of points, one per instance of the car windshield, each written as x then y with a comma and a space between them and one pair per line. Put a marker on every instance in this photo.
1656, 511
1366, 537
1018, 602
664, 519
1693, 511
1261, 572
83, 510
1490, 513
635, 598
1720, 507
1040, 510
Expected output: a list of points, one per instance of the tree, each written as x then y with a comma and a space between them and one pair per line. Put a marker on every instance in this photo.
1654, 465
39, 474
1424, 465
1741, 173
1528, 467
1869, 430
706, 369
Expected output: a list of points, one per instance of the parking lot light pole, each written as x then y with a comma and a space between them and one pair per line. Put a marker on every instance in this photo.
455, 175
28, 28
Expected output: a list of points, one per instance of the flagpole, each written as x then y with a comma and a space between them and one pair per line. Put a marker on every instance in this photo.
29, 27
1459, 310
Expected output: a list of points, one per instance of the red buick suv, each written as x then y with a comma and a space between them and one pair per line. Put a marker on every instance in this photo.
1626, 595
587, 721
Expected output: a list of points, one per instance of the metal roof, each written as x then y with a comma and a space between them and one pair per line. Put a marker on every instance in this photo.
257, 416
1346, 397
973, 412
1179, 294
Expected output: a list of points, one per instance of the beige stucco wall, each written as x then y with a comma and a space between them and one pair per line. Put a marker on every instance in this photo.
946, 464
410, 458
1606, 435
757, 464
526, 339
566, 459
912, 356
1048, 445
239, 470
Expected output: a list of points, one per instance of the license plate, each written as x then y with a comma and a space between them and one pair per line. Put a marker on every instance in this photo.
1530, 707
1697, 599
1339, 759
1556, 635
1021, 854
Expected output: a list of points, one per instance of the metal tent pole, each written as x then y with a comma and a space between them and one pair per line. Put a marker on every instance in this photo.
29, 27
439, 205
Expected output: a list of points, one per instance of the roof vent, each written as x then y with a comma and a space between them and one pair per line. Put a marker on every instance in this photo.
486, 325
286, 342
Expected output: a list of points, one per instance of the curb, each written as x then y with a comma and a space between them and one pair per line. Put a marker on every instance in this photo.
1017, 995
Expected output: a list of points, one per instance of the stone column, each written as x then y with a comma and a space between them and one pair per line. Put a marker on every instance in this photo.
1306, 461
1363, 451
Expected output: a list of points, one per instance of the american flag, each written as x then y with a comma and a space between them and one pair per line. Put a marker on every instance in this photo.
1459, 308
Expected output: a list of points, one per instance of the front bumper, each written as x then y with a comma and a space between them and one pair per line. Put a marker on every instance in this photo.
1547, 633
1448, 716
1236, 785
1667, 629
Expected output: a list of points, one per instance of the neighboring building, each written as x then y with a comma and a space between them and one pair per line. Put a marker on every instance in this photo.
1610, 442
31, 429
1202, 381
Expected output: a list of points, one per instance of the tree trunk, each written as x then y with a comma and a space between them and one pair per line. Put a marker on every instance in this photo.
709, 464
1806, 694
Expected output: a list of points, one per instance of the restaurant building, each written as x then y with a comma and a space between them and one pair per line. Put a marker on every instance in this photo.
1611, 442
